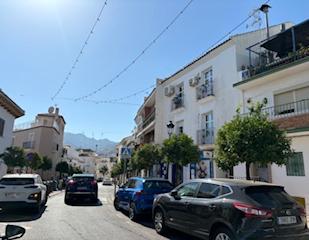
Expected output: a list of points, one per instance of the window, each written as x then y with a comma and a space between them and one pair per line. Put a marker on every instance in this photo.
225, 190
207, 120
292, 101
131, 183
295, 165
16, 181
208, 77
188, 190
208, 190
1, 127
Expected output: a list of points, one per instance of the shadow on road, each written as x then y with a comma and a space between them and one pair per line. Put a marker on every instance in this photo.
83, 203
146, 221
20, 215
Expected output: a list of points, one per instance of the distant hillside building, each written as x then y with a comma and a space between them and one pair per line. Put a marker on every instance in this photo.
43, 136
9, 111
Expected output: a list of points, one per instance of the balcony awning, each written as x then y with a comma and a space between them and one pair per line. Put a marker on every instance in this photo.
282, 43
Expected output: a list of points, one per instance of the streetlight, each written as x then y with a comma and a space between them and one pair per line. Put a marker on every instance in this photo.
170, 128
264, 8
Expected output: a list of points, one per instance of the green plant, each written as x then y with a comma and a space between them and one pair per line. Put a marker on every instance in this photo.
62, 167
249, 139
14, 157
46, 163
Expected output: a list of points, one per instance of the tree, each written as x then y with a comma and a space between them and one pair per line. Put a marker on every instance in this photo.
146, 156
34, 161
46, 164
180, 150
62, 167
14, 157
117, 169
73, 170
251, 138
104, 170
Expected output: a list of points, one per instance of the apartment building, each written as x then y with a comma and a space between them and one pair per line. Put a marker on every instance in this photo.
9, 111
43, 136
199, 98
279, 77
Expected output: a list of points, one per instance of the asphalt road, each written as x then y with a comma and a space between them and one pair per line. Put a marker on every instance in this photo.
84, 221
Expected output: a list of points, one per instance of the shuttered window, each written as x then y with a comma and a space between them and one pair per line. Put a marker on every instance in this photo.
295, 165
1, 127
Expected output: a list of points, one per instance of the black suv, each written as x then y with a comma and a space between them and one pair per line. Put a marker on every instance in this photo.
81, 186
224, 209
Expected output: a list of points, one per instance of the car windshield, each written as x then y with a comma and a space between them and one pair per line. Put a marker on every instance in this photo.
16, 181
270, 197
156, 185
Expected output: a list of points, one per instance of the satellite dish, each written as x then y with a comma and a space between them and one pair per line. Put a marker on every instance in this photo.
51, 110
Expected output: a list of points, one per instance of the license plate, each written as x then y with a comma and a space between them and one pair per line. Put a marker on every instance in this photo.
11, 195
82, 188
286, 220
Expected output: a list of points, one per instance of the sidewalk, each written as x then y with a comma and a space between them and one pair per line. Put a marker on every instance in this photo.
54, 193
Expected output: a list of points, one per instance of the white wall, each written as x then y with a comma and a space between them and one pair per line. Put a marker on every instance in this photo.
296, 186
6, 139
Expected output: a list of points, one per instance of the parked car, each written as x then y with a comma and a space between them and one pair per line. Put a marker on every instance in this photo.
81, 187
99, 179
108, 182
218, 209
137, 195
22, 191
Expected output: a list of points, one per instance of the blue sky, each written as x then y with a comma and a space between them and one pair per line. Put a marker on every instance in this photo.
41, 38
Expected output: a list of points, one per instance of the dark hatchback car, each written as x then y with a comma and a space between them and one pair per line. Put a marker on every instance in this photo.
223, 209
137, 195
81, 187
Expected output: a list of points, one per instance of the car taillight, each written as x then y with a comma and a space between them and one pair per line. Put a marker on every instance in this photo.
302, 211
32, 186
71, 182
94, 182
251, 211
35, 196
139, 193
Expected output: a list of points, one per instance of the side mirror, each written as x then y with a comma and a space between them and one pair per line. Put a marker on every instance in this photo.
13, 232
174, 194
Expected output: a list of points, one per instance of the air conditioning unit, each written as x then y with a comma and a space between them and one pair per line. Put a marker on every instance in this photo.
169, 91
194, 81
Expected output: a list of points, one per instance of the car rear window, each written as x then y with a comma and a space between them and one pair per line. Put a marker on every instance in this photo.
270, 197
16, 181
86, 179
155, 185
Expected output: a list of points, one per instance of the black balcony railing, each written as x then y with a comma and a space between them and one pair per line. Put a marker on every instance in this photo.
206, 136
178, 101
289, 109
204, 90
149, 119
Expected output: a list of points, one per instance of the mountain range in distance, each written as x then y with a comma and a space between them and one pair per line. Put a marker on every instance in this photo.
79, 140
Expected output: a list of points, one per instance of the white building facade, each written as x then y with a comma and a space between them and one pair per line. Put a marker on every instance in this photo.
9, 111
200, 98
283, 85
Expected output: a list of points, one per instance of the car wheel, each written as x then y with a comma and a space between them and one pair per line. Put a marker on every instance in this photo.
132, 212
116, 204
222, 234
159, 222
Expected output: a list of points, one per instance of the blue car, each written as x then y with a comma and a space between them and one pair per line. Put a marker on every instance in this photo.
137, 195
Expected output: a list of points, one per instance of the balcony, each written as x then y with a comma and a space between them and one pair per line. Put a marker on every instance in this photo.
206, 136
286, 49
287, 110
204, 91
178, 101
28, 145
149, 119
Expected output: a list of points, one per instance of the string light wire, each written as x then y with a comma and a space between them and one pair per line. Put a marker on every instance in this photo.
75, 62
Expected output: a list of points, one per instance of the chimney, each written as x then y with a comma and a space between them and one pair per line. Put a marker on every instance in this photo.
283, 28
57, 112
